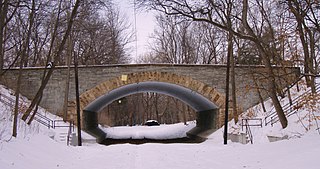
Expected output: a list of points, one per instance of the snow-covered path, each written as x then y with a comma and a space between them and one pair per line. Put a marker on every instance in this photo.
41, 152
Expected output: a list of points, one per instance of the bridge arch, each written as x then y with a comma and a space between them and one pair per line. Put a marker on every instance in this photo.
206, 100
101, 89
190, 97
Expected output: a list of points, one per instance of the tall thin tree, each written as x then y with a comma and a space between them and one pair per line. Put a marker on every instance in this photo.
24, 53
56, 57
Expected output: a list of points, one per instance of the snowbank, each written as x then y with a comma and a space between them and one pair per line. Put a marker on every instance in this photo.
161, 132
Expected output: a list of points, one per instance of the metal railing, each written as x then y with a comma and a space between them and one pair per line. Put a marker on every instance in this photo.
245, 122
40, 118
293, 84
6, 100
256, 122
61, 124
288, 108
44, 120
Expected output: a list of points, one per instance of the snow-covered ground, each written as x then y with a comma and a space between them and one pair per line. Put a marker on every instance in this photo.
34, 147
172, 131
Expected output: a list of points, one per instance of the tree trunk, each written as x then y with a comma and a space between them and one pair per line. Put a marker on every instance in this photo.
232, 78
289, 96
225, 133
22, 60
308, 66
34, 112
272, 87
66, 94
3, 15
77, 99
16, 107
261, 101
259, 93
266, 59
56, 57
310, 63
277, 105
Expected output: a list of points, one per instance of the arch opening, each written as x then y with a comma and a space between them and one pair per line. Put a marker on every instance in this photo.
137, 109
206, 110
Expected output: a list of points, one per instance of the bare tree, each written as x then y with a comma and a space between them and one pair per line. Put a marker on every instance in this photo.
209, 43
102, 35
6, 14
22, 59
213, 12
267, 53
3, 16
186, 42
304, 14
232, 60
173, 41
56, 57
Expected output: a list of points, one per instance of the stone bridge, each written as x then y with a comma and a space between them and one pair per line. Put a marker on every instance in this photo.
96, 81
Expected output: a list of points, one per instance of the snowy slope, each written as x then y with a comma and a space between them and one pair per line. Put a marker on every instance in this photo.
6, 119
34, 149
24, 131
306, 120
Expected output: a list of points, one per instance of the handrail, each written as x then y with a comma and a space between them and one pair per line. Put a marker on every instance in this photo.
245, 122
294, 83
40, 118
56, 124
44, 120
71, 127
288, 108
248, 130
9, 101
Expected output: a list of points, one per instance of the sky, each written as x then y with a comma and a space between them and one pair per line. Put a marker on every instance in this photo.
144, 23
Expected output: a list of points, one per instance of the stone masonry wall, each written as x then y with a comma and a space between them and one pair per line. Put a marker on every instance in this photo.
91, 76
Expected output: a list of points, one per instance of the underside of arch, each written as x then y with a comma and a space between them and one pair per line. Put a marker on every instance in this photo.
207, 111
205, 90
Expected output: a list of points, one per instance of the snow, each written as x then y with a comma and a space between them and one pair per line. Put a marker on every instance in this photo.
150, 132
34, 148
42, 152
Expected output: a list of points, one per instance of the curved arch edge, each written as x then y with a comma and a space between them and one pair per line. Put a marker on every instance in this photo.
207, 112
188, 96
